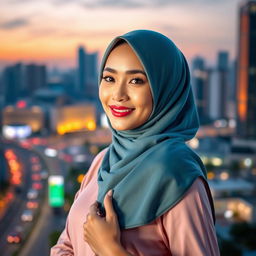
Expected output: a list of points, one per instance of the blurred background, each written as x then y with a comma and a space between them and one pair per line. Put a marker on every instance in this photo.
52, 124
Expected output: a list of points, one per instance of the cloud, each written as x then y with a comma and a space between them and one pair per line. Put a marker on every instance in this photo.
121, 3
142, 3
113, 3
134, 3
36, 33
14, 23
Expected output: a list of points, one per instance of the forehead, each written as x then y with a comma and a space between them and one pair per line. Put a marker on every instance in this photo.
123, 56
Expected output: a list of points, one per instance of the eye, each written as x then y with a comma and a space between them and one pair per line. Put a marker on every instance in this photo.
137, 81
108, 79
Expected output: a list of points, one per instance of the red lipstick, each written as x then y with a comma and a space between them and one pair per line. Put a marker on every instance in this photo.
120, 111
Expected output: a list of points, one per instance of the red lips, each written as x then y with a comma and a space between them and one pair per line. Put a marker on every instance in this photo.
120, 111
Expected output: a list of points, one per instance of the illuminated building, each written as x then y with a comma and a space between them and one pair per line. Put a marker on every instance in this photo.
246, 72
236, 208
31, 116
73, 118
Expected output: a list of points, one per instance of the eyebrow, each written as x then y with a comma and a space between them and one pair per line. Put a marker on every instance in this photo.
134, 71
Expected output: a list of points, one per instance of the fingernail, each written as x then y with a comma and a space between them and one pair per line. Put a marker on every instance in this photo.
110, 192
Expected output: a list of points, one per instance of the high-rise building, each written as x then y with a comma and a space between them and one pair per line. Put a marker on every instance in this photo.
214, 92
246, 71
200, 89
218, 83
92, 75
87, 73
13, 83
232, 89
22, 80
223, 80
81, 74
35, 78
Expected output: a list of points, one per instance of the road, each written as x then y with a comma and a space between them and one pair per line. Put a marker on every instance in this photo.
38, 243
12, 220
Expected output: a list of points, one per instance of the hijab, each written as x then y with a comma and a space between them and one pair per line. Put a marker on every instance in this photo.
150, 168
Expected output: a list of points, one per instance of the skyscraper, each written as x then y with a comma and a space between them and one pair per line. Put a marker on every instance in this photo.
35, 78
246, 71
92, 73
13, 83
200, 89
81, 74
87, 73
223, 80
218, 83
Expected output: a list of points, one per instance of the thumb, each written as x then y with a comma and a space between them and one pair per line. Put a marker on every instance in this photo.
108, 205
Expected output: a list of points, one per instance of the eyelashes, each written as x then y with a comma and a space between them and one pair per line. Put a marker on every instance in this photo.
108, 79
135, 80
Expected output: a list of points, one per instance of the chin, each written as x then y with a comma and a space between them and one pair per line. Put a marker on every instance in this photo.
120, 128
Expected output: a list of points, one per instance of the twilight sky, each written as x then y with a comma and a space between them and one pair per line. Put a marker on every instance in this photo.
50, 31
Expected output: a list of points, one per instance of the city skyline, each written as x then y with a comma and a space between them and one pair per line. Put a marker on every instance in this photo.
58, 28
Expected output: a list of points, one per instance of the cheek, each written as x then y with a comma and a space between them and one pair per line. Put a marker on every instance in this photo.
103, 95
144, 100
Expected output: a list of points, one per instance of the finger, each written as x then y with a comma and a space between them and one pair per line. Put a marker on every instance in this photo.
93, 209
110, 212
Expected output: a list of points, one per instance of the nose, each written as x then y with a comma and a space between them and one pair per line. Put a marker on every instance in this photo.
120, 93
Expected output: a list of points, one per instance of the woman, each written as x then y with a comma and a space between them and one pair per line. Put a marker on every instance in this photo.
151, 185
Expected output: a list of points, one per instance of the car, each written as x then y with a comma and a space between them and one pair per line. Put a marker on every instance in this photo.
32, 204
36, 167
34, 159
32, 194
27, 216
36, 176
44, 174
13, 238
37, 185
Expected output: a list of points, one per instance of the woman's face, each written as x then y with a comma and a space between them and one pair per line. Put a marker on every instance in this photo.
124, 90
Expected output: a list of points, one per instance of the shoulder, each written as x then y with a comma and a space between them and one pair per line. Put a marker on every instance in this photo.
188, 227
95, 165
195, 204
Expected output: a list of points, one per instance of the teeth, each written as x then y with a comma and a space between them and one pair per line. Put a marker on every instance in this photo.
122, 111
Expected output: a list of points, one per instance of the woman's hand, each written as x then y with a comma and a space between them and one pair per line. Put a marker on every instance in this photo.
103, 234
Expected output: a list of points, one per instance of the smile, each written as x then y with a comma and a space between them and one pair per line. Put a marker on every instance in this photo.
120, 111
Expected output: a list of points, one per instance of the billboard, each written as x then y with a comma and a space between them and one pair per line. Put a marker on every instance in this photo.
56, 190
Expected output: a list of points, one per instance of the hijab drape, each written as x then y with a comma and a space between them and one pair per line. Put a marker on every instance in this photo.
150, 168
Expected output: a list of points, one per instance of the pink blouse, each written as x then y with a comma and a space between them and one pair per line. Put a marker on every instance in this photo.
185, 230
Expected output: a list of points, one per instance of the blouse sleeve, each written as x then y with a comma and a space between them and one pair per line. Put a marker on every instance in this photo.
64, 246
188, 227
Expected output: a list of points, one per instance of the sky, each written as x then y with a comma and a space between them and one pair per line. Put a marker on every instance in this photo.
50, 31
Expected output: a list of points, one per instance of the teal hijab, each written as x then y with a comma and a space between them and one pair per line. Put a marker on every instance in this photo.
150, 168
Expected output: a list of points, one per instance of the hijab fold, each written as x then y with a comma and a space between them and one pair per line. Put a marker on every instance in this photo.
150, 168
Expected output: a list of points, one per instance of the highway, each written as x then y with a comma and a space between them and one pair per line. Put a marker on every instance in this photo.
38, 242
12, 219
